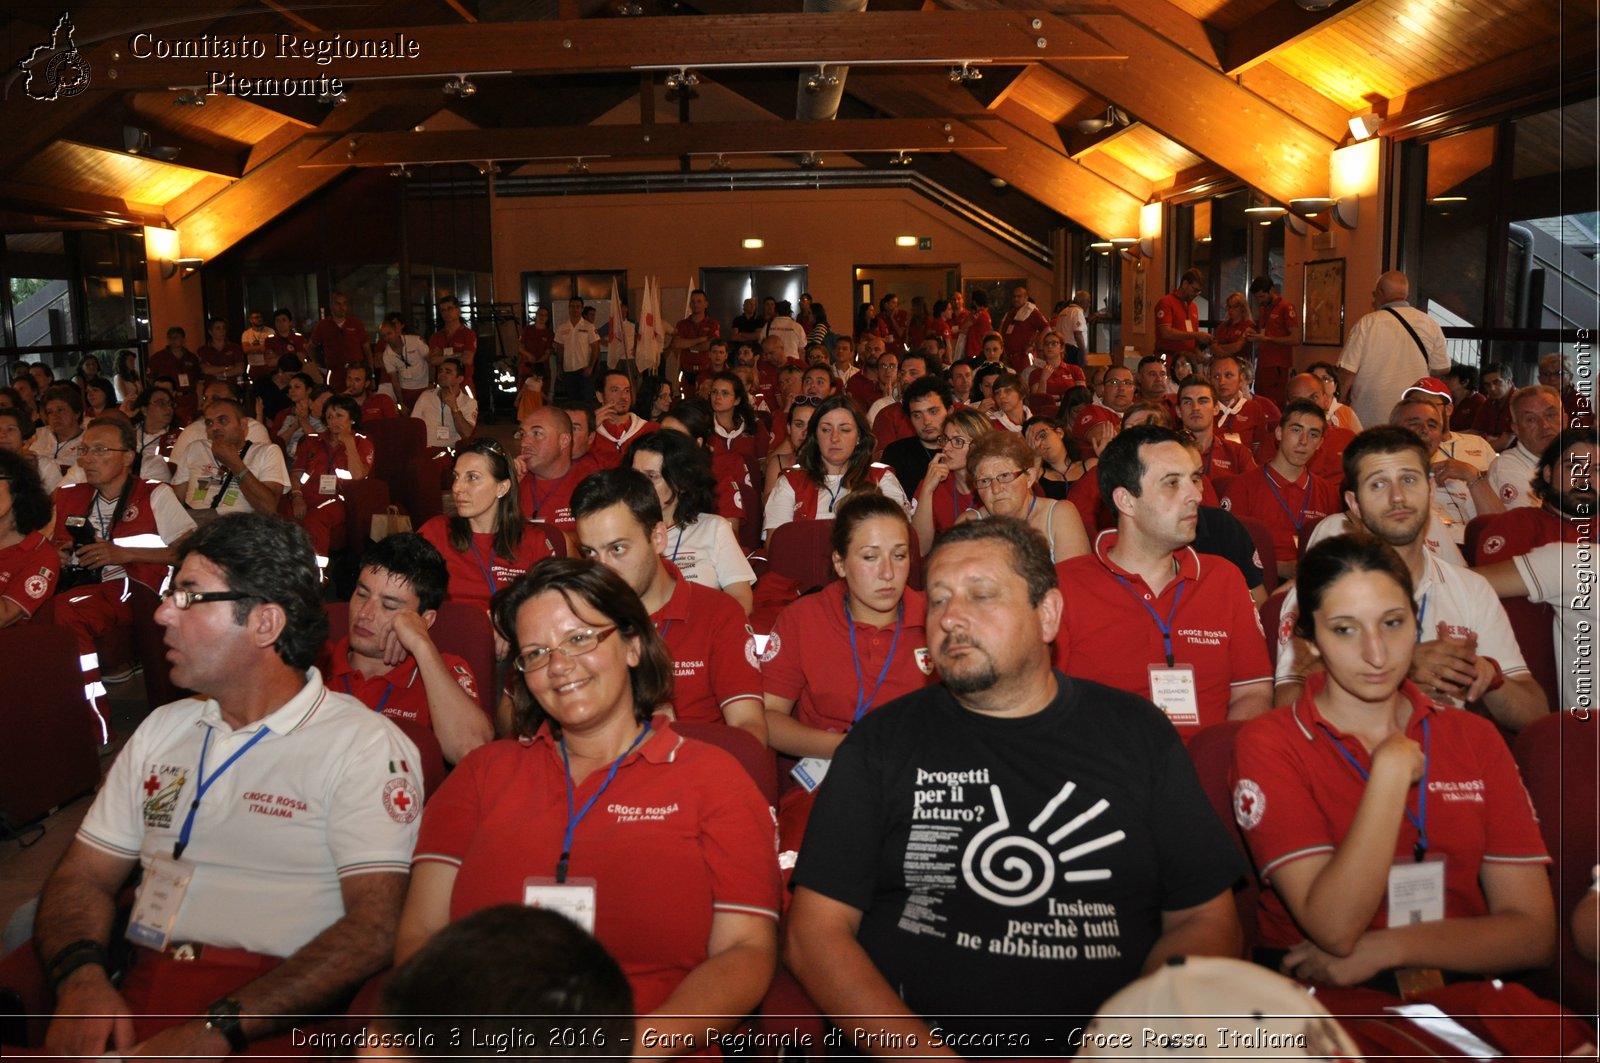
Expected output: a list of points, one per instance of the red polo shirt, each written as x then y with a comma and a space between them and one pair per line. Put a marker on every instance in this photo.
1251, 424
462, 343
948, 503
1288, 508
1516, 531
478, 572
732, 474
690, 329
1108, 634
863, 390
1063, 378
612, 439
1019, 335
550, 500
1493, 419
891, 425
1278, 319
1224, 459
1295, 795
28, 572
337, 344
183, 367
212, 358
401, 696
278, 346
377, 406
809, 661
680, 834
1176, 314
705, 632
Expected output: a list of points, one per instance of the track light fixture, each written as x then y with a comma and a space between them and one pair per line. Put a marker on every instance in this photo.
682, 79
488, 168
460, 86
719, 163
820, 79
900, 159
965, 72
811, 160
1113, 117
190, 97
401, 171
578, 166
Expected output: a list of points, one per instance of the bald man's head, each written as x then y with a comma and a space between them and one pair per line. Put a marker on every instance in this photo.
1305, 386
1392, 287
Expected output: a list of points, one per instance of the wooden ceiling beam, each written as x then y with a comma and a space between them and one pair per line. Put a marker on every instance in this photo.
71, 203
1172, 21
599, 45
1328, 117
1276, 28
1207, 112
106, 134
660, 140
1513, 80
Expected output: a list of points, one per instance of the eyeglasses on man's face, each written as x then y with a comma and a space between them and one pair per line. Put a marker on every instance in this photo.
182, 599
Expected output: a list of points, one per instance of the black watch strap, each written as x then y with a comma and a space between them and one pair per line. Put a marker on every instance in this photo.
223, 1017
78, 954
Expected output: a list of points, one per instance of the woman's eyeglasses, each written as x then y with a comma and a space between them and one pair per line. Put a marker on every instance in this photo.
983, 483
574, 645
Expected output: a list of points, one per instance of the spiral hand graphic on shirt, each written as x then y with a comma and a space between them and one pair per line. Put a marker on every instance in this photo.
1015, 869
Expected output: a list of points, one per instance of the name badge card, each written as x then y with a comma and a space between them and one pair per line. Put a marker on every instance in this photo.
327, 484
574, 898
442, 433
1416, 893
1173, 691
160, 897
810, 771
202, 487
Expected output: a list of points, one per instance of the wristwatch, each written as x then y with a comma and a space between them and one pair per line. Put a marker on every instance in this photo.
223, 1017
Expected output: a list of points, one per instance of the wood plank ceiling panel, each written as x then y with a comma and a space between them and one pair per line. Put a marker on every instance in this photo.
1149, 154
65, 165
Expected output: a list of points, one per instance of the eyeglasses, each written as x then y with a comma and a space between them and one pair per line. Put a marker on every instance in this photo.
806, 400
983, 483
100, 452
574, 645
958, 442
481, 443
185, 599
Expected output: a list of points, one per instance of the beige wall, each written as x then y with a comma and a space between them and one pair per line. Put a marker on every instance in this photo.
673, 235
175, 300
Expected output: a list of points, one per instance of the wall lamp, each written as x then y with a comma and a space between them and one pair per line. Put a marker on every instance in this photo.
182, 268
1342, 211
1363, 126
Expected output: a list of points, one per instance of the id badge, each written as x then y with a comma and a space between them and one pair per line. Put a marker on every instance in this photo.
154, 913
1233, 437
327, 484
810, 772
1416, 893
574, 898
442, 433
183, 380
449, 352
230, 497
1173, 691
202, 487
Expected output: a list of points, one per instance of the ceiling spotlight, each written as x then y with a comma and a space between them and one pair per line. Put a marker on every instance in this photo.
965, 72
1113, 117
578, 166
334, 99
460, 87
902, 159
400, 171
1101, 245
811, 160
719, 163
488, 168
628, 7
190, 97
682, 79
821, 79
1306, 206
1363, 126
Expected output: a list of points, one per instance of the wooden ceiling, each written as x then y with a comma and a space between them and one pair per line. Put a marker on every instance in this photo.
1258, 90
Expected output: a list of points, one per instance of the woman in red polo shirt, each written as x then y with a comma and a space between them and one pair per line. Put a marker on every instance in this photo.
661, 846
486, 544
1392, 833
323, 460
734, 426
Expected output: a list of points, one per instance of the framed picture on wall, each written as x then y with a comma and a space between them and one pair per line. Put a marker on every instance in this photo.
1323, 309
1141, 302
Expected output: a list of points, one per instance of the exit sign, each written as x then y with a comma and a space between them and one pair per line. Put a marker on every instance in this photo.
924, 243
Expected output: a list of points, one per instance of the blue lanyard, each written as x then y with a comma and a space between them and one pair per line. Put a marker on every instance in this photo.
1164, 628
205, 784
833, 496
1420, 819
1422, 614
378, 708
677, 544
487, 570
533, 489
573, 819
865, 698
1299, 521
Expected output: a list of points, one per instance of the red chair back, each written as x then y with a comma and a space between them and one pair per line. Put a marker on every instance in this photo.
756, 759
1262, 538
1559, 756
363, 499
1211, 752
50, 755
800, 551
460, 629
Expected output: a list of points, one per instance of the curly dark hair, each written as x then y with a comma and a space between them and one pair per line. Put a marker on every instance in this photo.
600, 591
30, 502
855, 474
685, 469
272, 561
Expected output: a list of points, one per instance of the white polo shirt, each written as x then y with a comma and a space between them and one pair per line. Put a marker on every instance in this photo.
1453, 498
409, 365
1452, 601
199, 476
332, 791
254, 431
577, 344
708, 553
1512, 475
436, 415
1563, 575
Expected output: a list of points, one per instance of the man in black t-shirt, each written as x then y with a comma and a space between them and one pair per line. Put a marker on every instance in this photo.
927, 401
989, 859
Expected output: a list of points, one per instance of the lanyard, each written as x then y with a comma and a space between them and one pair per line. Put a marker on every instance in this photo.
833, 496
1422, 614
1299, 521
1420, 819
573, 819
865, 698
1164, 628
676, 545
63, 443
487, 570
205, 784
388, 688
533, 489
1205, 469
955, 499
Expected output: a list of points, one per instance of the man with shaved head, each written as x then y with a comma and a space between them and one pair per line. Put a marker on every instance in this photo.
1388, 349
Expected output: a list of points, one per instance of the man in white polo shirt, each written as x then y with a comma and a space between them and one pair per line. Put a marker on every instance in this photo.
273, 822
227, 473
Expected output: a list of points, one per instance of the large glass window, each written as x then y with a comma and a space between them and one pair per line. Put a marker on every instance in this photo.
1230, 247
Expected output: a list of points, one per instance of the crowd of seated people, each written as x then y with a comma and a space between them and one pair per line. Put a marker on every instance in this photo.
619, 553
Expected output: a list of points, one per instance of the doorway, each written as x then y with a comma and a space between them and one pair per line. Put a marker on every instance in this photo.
728, 288
874, 282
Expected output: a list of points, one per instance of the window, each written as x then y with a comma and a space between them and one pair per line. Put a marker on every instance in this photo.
556, 289
1231, 247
